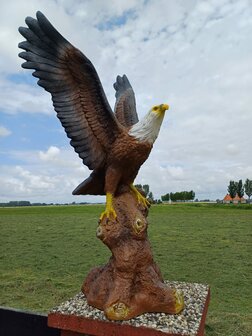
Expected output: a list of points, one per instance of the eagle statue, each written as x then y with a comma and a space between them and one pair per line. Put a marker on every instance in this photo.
112, 145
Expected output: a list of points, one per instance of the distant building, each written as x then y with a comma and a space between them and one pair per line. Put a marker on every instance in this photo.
237, 199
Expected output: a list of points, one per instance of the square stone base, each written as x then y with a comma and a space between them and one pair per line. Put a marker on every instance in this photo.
75, 317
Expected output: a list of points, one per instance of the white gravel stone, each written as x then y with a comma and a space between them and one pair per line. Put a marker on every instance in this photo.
186, 323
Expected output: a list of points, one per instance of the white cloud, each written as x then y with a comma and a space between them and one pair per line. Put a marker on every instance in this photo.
20, 182
28, 98
4, 131
44, 176
176, 173
50, 182
232, 149
51, 154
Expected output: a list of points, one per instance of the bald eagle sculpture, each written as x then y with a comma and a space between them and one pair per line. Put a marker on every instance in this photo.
113, 145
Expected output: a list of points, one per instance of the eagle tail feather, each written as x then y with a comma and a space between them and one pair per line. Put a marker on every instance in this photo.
93, 185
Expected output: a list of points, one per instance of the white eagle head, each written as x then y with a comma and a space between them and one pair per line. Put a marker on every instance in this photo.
148, 128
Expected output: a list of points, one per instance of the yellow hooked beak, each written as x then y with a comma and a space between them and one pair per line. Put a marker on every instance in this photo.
160, 109
164, 107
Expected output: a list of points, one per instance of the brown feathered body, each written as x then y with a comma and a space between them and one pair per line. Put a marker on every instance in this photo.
125, 157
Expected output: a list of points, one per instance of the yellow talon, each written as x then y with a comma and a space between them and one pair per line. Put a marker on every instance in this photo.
140, 198
109, 211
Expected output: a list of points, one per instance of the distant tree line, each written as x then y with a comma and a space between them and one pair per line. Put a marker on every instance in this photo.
27, 203
238, 188
179, 196
16, 203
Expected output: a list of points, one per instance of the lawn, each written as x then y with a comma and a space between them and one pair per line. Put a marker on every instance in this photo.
46, 252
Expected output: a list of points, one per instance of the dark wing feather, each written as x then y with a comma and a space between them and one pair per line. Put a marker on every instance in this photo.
77, 93
125, 106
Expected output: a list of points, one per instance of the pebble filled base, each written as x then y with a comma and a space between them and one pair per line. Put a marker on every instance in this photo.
186, 323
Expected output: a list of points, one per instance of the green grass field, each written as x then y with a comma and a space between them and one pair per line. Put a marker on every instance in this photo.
46, 252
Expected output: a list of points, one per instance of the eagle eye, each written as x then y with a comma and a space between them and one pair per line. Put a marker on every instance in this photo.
155, 108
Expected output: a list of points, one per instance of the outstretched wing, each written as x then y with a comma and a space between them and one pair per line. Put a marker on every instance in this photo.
125, 106
77, 93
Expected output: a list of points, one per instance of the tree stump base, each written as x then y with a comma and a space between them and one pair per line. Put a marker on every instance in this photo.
131, 283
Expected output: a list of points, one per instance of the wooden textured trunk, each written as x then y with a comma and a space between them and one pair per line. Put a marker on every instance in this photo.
130, 283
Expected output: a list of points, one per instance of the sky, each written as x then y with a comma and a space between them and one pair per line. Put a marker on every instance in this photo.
194, 55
